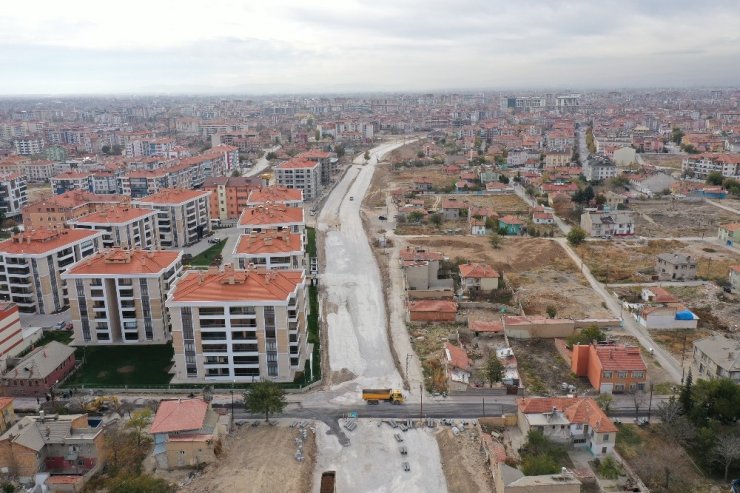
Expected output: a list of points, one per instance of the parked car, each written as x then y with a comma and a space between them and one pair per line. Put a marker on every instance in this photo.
382, 218
214, 240
63, 326
351, 197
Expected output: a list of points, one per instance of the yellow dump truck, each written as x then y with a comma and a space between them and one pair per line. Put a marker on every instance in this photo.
374, 396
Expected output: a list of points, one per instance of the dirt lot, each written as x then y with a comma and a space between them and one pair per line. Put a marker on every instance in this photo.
634, 260
503, 204
673, 219
463, 462
716, 309
256, 459
38, 191
678, 341
537, 267
664, 160
542, 369
439, 179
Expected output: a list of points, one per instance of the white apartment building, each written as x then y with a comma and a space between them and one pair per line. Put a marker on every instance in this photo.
613, 223
701, 165
183, 216
269, 217
29, 146
598, 168
125, 227
301, 174
118, 296
239, 325
271, 250
31, 265
13, 194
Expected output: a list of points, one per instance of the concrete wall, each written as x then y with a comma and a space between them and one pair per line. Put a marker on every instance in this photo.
535, 330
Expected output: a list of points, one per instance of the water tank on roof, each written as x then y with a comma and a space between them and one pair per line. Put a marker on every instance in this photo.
684, 315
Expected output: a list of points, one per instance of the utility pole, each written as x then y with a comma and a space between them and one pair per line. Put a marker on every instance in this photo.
683, 355
650, 403
484, 406
408, 357
421, 402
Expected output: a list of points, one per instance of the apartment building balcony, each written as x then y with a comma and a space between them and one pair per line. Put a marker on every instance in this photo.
19, 283
212, 336
126, 294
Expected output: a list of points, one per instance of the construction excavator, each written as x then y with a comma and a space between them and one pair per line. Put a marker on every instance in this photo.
102, 403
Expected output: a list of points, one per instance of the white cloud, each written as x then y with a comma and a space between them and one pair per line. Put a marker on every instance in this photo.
294, 45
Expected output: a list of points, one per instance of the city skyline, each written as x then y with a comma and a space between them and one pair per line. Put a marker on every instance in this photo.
341, 47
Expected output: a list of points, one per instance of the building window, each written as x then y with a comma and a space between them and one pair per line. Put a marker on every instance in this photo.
148, 330
272, 369
638, 374
606, 374
188, 341
622, 374
606, 437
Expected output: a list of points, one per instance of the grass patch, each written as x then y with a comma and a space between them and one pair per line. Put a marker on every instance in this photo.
134, 366
311, 241
664, 388
63, 336
313, 338
542, 456
206, 258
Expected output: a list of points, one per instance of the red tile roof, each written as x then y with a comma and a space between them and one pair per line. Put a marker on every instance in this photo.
493, 326
170, 196
264, 215
457, 357
511, 220
661, 295
275, 195
410, 254
179, 415
115, 215
578, 410
120, 262
297, 163
268, 242
433, 306
478, 271
620, 357
39, 241
231, 285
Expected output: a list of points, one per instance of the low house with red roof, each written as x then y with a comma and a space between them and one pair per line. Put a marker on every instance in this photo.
577, 421
451, 209
542, 217
186, 433
495, 187
432, 311
667, 316
656, 294
490, 327
478, 277
423, 184
611, 368
457, 366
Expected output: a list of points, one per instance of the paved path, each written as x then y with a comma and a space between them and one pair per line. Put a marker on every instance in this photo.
657, 283
722, 206
666, 360
262, 163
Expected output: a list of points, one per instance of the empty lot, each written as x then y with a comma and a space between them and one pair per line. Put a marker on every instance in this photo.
674, 219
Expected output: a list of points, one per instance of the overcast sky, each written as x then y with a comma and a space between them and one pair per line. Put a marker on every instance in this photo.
269, 46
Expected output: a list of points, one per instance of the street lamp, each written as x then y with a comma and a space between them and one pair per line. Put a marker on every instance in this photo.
233, 382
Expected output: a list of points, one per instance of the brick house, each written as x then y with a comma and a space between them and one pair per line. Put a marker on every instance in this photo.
610, 368
432, 311
38, 372
58, 444
457, 366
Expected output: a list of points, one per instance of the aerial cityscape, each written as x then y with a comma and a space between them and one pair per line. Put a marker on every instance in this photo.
370, 247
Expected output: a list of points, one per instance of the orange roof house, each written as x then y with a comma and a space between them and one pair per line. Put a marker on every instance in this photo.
276, 195
478, 277
118, 261
432, 311
272, 217
610, 368
179, 415
44, 241
573, 420
457, 365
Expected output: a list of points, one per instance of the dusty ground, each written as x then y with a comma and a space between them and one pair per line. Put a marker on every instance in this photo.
716, 310
503, 204
379, 186
679, 341
463, 461
439, 179
256, 459
664, 160
634, 260
372, 461
542, 369
38, 191
537, 267
673, 219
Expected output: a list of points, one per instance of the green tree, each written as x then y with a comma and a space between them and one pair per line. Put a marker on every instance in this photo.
139, 421
416, 216
552, 311
436, 219
495, 239
576, 236
317, 135
676, 135
367, 156
265, 397
494, 370
715, 178
105, 149
503, 179
717, 399
685, 397
236, 172
605, 402
339, 149
271, 155
586, 335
